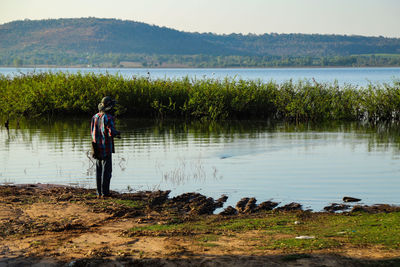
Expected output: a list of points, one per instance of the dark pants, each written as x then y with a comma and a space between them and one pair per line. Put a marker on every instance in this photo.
103, 175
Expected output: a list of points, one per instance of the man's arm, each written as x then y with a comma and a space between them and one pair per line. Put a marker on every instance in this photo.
111, 128
93, 129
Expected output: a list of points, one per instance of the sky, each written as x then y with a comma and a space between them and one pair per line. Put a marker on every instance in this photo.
351, 17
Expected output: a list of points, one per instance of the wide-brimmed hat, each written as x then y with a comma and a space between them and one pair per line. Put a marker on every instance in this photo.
106, 104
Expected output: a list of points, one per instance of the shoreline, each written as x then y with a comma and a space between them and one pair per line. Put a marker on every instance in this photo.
68, 226
199, 68
246, 205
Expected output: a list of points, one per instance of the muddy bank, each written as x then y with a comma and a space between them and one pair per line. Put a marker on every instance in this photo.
65, 226
190, 204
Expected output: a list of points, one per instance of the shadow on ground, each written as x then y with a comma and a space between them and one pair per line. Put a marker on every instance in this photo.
206, 260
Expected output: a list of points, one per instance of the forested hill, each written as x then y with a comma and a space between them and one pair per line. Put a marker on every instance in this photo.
98, 41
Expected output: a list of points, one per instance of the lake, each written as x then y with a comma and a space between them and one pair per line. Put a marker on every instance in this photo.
344, 76
311, 164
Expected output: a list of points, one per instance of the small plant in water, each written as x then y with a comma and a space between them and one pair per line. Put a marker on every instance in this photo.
185, 171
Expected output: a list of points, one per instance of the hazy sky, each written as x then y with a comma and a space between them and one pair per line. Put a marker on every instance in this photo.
361, 17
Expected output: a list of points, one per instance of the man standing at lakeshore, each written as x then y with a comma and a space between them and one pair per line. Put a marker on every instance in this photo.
103, 132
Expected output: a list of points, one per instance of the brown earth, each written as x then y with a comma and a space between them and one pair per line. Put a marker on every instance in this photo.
44, 225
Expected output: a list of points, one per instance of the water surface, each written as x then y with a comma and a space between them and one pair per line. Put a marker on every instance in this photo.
344, 76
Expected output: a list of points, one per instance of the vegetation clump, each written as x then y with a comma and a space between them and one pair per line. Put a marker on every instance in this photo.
49, 93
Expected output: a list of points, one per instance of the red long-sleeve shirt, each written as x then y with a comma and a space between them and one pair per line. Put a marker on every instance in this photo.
103, 132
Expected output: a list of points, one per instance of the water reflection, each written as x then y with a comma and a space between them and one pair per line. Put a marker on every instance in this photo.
311, 164
74, 131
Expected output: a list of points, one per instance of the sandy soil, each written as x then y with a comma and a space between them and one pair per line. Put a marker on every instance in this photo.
56, 226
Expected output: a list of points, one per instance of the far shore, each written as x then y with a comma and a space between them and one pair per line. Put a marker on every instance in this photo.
171, 66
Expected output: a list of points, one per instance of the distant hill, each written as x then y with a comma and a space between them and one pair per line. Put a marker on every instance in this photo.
98, 41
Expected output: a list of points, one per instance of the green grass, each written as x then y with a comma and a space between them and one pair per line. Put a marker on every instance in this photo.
220, 226
278, 230
291, 243
45, 94
276, 224
128, 203
359, 228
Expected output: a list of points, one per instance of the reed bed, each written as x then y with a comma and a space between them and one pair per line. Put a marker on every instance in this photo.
39, 94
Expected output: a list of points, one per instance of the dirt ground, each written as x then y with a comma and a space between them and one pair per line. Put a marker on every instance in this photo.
43, 225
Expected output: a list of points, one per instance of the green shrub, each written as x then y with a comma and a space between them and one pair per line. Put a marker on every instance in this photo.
39, 94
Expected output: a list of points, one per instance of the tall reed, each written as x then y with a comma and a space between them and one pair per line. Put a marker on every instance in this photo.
48, 93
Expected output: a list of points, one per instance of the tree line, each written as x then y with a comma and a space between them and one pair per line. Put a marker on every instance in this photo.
194, 61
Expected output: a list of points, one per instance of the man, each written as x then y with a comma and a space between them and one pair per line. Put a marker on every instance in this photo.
103, 133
